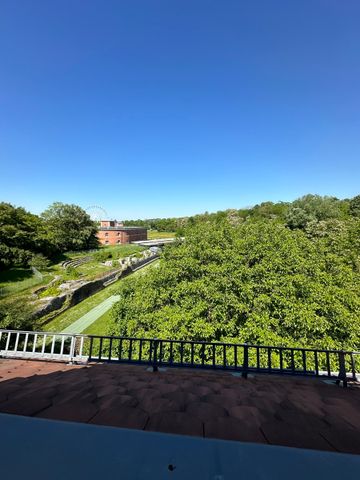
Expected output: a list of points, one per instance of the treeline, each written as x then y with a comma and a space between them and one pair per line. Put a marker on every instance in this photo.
31, 240
159, 224
278, 274
295, 214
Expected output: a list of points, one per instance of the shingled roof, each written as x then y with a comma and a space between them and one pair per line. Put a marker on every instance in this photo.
269, 409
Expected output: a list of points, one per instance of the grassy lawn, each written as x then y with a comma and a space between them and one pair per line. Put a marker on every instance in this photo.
155, 234
100, 326
92, 269
121, 251
72, 314
22, 281
18, 280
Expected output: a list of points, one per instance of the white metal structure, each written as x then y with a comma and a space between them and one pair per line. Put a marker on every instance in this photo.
42, 346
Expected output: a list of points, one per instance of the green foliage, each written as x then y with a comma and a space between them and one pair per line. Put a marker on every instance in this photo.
256, 282
52, 291
312, 208
296, 214
103, 255
71, 274
354, 206
39, 261
152, 234
116, 252
27, 239
16, 280
70, 227
159, 224
21, 235
16, 314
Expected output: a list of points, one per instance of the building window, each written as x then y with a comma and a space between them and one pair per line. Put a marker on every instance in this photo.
106, 241
106, 234
118, 234
119, 241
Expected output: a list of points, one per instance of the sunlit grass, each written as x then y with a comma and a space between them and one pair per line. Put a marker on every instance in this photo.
152, 234
18, 280
100, 326
68, 317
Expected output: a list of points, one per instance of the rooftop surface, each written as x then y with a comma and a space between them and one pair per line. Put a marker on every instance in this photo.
121, 228
266, 409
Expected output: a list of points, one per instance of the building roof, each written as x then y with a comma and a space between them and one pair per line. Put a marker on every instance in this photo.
122, 228
267, 409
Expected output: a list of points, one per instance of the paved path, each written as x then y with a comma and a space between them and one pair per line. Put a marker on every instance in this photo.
89, 318
86, 320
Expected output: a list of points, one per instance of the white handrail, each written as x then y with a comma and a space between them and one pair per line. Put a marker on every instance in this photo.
42, 345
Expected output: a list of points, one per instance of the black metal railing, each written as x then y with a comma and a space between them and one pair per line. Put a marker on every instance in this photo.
243, 358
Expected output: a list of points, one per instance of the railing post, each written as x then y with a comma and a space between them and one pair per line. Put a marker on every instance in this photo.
353, 367
246, 361
342, 369
72, 349
155, 360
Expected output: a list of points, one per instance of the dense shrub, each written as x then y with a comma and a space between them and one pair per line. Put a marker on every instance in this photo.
16, 314
255, 282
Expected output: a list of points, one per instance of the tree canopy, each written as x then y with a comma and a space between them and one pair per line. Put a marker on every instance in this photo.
254, 281
22, 235
70, 227
28, 239
295, 214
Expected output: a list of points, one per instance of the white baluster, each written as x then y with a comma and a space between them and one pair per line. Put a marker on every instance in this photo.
26, 342
43, 345
35, 342
81, 346
53, 344
62, 345
16, 342
7, 342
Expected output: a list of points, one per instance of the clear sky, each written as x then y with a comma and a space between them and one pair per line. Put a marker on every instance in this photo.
154, 108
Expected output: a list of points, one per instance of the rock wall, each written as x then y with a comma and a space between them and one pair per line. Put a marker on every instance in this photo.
86, 289
51, 304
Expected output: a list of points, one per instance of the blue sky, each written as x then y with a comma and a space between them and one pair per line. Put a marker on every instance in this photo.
154, 108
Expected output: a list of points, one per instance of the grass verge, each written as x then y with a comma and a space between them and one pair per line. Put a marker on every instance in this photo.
100, 326
74, 313
152, 234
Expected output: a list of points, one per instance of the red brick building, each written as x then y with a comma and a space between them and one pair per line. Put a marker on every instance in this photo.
112, 232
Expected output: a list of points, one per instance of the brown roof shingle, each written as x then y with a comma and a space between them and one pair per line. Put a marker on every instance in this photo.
296, 412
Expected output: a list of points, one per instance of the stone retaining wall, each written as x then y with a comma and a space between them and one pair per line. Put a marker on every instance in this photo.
86, 289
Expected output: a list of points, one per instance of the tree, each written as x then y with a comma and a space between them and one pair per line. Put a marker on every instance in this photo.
355, 206
312, 208
16, 314
70, 227
21, 235
39, 261
258, 282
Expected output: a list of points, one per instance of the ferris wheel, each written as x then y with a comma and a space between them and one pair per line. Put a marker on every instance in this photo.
96, 213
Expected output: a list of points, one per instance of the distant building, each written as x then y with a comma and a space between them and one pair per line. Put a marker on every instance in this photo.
112, 232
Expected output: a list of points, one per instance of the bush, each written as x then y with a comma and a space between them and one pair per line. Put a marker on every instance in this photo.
103, 255
52, 291
71, 274
39, 261
260, 283
16, 314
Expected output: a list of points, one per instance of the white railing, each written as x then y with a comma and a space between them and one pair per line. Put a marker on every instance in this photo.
42, 346
76, 348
